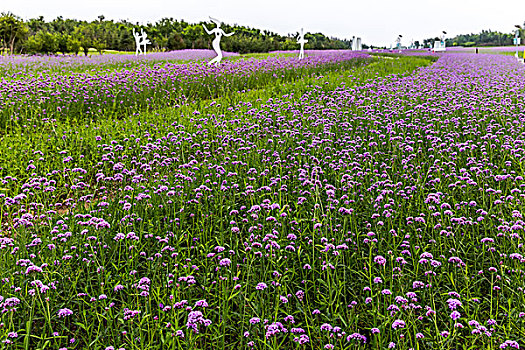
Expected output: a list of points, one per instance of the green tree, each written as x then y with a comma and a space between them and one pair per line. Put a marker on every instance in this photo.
62, 41
176, 41
12, 30
73, 44
125, 41
194, 36
99, 35
43, 42
90, 35
36, 24
83, 35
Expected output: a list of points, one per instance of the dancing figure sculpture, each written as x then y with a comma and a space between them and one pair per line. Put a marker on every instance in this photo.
137, 37
217, 41
145, 41
141, 40
301, 40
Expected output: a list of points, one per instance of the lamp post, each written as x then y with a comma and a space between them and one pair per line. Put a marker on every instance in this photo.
517, 39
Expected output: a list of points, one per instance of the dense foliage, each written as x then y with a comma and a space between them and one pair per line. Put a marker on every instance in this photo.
71, 36
485, 38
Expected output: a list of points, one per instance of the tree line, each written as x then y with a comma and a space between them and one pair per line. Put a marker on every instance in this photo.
485, 38
71, 36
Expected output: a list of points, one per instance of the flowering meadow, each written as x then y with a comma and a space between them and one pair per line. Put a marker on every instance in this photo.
492, 49
36, 97
358, 202
27, 64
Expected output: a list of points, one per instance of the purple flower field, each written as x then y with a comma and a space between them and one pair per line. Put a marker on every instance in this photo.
490, 49
21, 65
36, 97
384, 213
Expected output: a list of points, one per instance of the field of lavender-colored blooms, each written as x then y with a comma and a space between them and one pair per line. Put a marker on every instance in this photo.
343, 201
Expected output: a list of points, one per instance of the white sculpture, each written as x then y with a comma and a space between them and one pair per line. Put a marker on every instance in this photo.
398, 42
145, 41
140, 40
440, 46
137, 42
358, 45
301, 40
217, 41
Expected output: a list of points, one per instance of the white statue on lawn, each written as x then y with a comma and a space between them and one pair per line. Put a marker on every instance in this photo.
301, 40
145, 41
141, 40
217, 41
137, 42
358, 45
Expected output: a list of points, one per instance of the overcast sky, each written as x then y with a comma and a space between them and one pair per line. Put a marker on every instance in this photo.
377, 22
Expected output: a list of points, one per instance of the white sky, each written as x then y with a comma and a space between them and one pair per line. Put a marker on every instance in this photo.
377, 22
